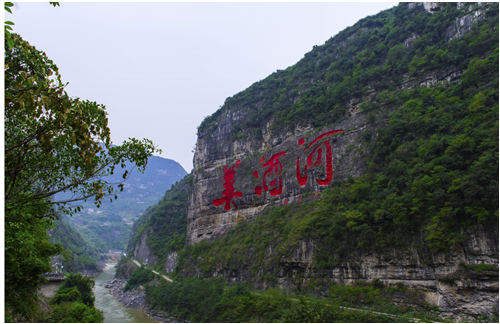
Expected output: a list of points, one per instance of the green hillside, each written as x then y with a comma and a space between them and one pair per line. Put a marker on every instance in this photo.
379, 53
111, 223
166, 220
84, 252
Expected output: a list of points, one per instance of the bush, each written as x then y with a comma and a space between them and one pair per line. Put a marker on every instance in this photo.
140, 276
354, 295
84, 286
75, 313
67, 295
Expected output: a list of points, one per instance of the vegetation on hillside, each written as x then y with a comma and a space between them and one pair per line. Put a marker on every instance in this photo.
369, 57
214, 300
431, 166
165, 222
139, 277
432, 176
84, 254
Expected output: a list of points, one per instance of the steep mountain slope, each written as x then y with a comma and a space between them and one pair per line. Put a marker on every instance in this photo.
351, 83
374, 157
162, 228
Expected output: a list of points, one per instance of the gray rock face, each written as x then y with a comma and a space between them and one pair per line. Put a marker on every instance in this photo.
463, 25
142, 252
268, 163
246, 161
453, 282
171, 262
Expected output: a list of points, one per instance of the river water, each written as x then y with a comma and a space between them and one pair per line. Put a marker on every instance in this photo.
113, 310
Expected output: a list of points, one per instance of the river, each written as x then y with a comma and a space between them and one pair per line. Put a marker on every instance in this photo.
113, 310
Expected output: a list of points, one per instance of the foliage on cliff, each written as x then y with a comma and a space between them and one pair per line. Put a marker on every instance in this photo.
125, 268
433, 176
432, 167
378, 53
214, 300
164, 222
84, 253
139, 277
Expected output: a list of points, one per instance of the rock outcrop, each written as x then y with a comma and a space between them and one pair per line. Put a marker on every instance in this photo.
272, 163
462, 283
142, 251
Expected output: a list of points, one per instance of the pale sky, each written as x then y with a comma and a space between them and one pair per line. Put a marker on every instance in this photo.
161, 67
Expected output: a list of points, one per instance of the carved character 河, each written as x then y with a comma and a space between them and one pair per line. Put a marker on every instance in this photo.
318, 152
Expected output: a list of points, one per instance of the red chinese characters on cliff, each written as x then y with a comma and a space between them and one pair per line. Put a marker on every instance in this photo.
317, 152
274, 168
229, 193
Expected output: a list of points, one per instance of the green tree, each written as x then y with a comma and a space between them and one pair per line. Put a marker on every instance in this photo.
53, 143
84, 286
75, 312
27, 256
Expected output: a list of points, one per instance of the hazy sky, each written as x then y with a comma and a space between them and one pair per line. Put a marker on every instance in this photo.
161, 67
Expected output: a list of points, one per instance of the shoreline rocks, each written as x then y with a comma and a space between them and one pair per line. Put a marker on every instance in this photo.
136, 298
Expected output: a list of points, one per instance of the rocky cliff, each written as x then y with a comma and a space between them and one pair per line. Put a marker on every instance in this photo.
240, 170
462, 283
272, 145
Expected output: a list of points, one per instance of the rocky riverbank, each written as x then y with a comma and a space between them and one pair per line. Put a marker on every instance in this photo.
136, 298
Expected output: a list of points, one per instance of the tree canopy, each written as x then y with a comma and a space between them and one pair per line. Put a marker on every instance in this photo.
53, 143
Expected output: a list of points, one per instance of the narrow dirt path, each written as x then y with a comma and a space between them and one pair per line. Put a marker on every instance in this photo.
156, 273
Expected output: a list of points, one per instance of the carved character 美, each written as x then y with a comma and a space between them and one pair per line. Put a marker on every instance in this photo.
229, 193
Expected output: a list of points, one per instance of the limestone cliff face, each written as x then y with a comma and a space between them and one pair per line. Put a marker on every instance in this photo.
252, 158
231, 162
